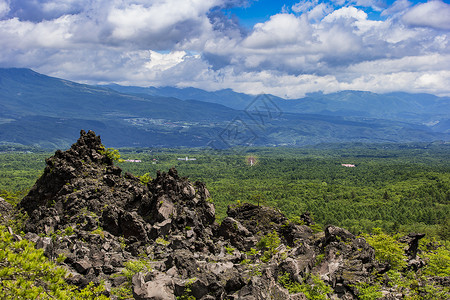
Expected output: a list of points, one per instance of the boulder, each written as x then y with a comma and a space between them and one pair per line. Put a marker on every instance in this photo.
161, 288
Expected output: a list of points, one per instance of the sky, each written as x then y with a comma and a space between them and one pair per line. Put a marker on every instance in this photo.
287, 48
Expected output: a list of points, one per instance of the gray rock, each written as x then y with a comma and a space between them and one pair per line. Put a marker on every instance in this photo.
132, 225
82, 266
160, 229
46, 244
161, 288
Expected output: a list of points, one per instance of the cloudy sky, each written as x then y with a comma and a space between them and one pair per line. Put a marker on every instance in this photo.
286, 48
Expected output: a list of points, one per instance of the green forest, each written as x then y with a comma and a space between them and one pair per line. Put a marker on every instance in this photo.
399, 188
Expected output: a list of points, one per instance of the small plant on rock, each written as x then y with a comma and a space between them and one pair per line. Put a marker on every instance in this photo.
229, 250
270, 242
132, 267
187, 294
318, 290
112, 153
99, 231
368, 291
145, 179
162, 241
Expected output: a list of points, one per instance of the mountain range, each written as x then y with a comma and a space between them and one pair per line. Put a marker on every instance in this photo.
49, 112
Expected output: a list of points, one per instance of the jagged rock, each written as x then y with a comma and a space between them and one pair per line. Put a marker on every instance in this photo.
46, 244
6, 210
82, 266
111, 216
257, 218
336, 234
161, 229
132, 225
306, 218
239, 236
412, 240
161, 288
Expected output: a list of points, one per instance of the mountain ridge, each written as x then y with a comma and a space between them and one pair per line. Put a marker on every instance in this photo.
405, 106
46, 111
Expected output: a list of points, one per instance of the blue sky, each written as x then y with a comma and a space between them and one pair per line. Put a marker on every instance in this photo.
262, 10
287, 48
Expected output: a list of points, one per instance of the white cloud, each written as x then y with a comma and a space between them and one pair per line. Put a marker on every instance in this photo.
174, 20
398, 6
434, 14
346, 13
319, 11
304, 6
281, 30
162, 62
316, 47
4, 8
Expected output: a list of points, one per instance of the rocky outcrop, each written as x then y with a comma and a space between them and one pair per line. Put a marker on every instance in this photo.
6, 210
164, 232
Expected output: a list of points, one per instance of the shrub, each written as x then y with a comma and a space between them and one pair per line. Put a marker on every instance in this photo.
145, 179
229, 250
387, 248
318, 290
27, 274
162, 241
438, 262
112, 153
270, 241
368, 291
132, 267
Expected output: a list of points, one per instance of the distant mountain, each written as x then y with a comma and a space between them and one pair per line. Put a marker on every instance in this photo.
225, 97
415, 108
24, 92
49, 112
399, 106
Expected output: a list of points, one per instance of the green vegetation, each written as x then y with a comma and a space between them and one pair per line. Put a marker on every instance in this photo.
387, 248
146, 178
229, 250
437, 256
162, 241
416, 285
99, 231
368, 291
399, 188
112, 153
25, 273
187, 294
131, 268
268, 243
316, 289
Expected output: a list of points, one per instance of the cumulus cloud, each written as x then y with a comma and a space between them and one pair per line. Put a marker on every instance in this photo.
4, 8
319, 11
434, 14
281, 30
311, 46
398, 6
304, 6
